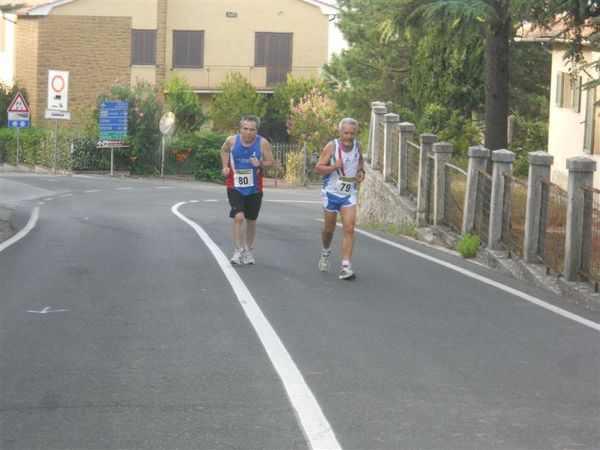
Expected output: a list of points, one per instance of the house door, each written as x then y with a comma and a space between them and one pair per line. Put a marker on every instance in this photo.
274, 51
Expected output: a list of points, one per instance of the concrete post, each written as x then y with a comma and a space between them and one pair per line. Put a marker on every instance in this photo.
539, 167
442, 152
377, 111
426, 141
390, 120
581, 172
407, 132
478, 157
502, 162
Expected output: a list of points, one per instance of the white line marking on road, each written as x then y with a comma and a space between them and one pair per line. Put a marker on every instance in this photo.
35, 214
515, 292
294, 201
89, 191
124, 189
66, 195
48, 310
194, 201
49, 199
165, 187
211, 200
312, 420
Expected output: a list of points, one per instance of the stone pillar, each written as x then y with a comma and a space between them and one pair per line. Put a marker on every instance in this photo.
581, 172
390, 120
478, 157
539, 167
372, 128
502, 162
442, 152
426, 141
407, 132
379, 112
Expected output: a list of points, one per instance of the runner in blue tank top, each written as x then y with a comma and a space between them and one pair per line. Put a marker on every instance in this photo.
342, 166
243, 157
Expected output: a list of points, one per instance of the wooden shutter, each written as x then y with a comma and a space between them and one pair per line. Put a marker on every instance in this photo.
576, 95
590, 109
188, 49
559, 89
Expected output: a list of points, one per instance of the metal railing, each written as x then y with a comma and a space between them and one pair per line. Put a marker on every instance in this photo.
553, 222
515, 205
482, 206
590, 251
412, 186
395, 155
455, 190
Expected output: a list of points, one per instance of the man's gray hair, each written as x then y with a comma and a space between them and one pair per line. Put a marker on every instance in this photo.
250, 118
349, 121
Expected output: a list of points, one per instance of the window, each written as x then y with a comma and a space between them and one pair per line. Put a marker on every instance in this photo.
568, 91
143, 47
274, 51
188, 49
591, 136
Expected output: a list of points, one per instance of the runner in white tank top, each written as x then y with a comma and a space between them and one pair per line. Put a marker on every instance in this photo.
342, 166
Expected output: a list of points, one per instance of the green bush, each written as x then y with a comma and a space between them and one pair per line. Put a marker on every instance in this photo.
468, 245
208, 166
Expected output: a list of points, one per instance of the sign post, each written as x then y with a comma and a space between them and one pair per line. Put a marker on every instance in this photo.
113, 127
18, 117
167, 127
58, 102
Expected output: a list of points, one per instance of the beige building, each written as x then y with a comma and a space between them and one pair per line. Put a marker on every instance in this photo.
574, 123
100, 42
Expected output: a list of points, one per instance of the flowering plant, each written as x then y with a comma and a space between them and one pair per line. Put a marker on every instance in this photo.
312, 119
181, 154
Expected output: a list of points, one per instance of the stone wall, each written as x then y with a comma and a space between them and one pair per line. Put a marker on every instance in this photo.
380, 203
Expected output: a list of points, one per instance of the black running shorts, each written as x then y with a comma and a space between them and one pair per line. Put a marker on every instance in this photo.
248, 204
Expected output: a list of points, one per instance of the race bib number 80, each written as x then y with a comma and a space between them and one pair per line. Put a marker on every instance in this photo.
243, 178
345, 185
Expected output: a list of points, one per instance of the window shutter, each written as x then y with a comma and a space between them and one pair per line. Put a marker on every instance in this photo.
260, 43
559, 89
588, 134
576, 100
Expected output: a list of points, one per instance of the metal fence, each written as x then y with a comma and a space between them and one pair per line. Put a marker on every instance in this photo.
380, 150
482, 206
455, 190
430, 168
515, 205
395, 155
412, 186
590, 261
553, 222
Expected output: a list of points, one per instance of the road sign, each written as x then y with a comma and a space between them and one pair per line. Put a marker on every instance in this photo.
113, 121
59, 115
58, 90
111, 143
18, 105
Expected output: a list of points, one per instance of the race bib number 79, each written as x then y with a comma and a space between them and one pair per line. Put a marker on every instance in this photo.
243, 178
345, 185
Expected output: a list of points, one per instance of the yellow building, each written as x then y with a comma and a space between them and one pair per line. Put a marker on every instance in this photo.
100, 42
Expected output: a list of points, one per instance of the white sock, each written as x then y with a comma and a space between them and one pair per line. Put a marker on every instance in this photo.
346, 262
326, 251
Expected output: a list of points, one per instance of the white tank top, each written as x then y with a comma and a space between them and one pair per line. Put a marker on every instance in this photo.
342, 182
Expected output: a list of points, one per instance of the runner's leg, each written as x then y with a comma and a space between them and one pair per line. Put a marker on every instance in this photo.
348, 220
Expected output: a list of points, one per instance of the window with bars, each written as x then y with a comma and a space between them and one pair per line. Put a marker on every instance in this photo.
568, 91
143, 47
188, 49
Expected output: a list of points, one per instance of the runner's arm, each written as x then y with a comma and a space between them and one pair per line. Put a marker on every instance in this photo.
225, 152
267, 154
323, 167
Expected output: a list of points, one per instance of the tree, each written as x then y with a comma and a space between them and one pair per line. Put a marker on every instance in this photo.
184, 103
312, 120
237, 98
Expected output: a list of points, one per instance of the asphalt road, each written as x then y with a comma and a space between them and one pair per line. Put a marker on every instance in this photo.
123, 326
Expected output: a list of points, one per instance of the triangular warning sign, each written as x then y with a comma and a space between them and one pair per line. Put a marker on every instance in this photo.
18, 104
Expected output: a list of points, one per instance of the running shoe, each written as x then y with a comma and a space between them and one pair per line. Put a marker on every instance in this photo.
238, 257
325, 261
346, 273
248, 256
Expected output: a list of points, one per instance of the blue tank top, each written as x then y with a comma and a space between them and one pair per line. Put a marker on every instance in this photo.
243, 176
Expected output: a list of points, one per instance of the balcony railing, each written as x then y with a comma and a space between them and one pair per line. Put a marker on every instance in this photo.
210, 78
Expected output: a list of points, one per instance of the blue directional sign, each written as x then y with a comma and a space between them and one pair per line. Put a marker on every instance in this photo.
113, 121
19, 124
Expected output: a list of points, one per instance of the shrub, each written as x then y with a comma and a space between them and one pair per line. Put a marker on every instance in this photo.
208, 166
468, 245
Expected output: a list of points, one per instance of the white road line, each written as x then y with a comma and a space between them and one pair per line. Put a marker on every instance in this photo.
502, 287
208, 200
124, 189
165, 187
35, 214
312, 420
66, 195
92, 190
